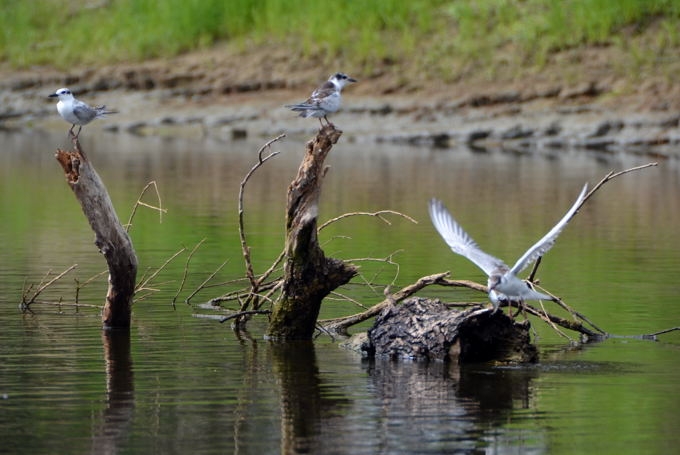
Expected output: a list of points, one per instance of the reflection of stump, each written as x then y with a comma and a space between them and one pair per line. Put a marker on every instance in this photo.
426, 329
113, 431
110, 236
309, 275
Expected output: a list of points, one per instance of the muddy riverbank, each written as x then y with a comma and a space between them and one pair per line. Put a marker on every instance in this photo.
207, 95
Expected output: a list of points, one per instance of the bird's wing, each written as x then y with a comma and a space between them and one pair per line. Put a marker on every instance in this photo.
83, 112
314, 101
459, 241
548, 240
326, 89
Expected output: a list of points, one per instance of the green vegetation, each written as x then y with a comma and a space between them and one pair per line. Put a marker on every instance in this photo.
535, 28
433, 34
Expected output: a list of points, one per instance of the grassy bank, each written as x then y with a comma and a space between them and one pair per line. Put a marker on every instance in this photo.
442, 36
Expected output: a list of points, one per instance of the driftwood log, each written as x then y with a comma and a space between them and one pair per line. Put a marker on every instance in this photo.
425, 329
110, 236
309, 275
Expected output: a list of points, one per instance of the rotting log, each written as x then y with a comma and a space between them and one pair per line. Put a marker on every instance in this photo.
425, 329
309, 275
111, 238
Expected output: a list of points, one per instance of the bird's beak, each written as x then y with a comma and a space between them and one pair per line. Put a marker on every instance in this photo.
351, 79
53, 95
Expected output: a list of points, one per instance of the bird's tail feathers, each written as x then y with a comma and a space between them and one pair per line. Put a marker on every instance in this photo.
102, 111
301, 107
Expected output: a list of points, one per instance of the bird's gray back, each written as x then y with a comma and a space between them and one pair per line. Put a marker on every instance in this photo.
84, 113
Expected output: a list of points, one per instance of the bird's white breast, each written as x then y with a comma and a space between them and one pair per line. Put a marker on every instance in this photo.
65, 109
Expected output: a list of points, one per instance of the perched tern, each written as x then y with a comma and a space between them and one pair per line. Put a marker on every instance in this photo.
503, 283
75, 111
325, 99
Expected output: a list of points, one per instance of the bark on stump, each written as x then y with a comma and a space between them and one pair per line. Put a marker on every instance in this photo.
110, 236
309, 275
424, 329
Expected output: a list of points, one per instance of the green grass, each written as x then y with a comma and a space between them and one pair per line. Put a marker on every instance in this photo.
535, 28
438, 35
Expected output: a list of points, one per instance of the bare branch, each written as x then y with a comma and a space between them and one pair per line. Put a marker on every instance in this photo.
574, 326
145, 282
26, 302
388, 260
242, 234
349, 299
378, 215
139, 202
610, 176
575, 314
202, 285
258, 283
80, 286
463, 284
186, 271
60, 303
546, 317
661, 332
341, 324
244, 313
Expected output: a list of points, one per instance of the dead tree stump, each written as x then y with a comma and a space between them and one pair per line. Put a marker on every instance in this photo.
309, 275
424, 329
110, 236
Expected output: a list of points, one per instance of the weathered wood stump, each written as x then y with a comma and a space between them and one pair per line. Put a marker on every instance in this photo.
309, 275
424, 329
110, 236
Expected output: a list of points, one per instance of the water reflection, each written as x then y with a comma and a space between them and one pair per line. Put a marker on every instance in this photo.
304, 408
437, 406
116, 418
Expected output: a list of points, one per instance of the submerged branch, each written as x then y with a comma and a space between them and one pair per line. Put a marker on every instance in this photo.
26, 301
240, 314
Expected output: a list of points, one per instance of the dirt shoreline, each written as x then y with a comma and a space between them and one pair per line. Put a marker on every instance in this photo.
204, 94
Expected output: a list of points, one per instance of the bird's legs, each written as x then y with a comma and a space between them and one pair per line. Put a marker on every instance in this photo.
327, 122
75, 135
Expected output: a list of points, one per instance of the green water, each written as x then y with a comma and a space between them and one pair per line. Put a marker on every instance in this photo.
189, 385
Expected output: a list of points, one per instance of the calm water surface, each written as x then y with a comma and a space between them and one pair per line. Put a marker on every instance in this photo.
181, 384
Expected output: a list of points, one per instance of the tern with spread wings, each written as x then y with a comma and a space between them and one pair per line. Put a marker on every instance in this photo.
503, 282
